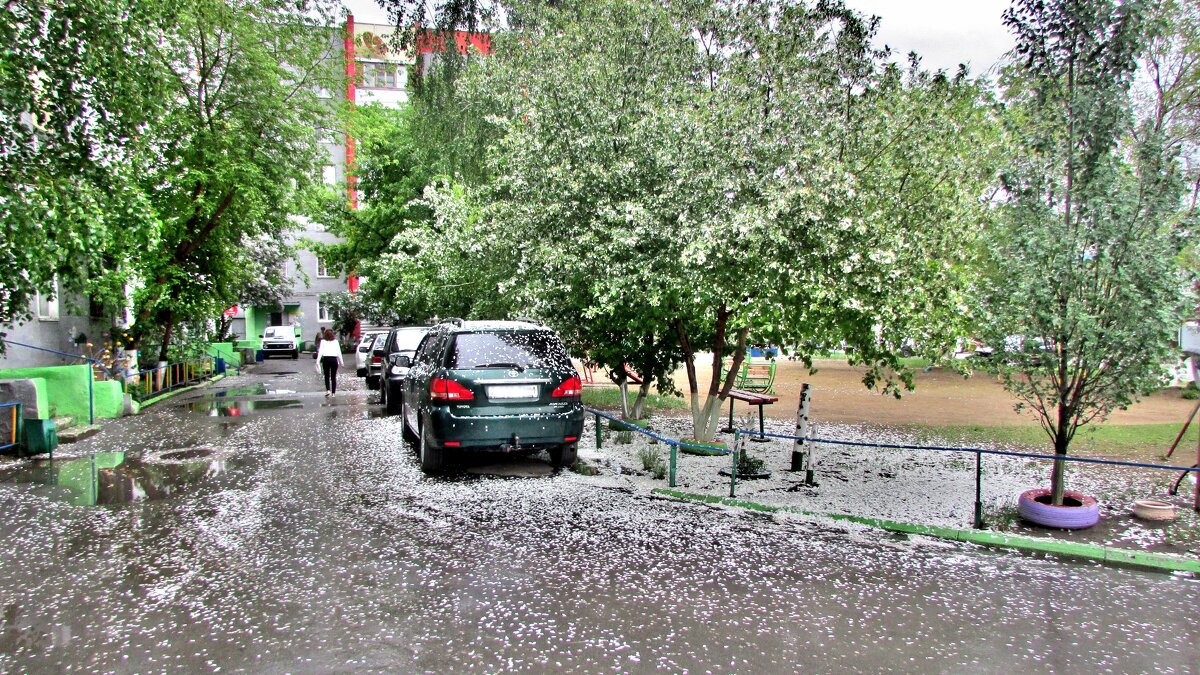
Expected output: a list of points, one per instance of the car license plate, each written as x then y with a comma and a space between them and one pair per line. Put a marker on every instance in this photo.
512, 391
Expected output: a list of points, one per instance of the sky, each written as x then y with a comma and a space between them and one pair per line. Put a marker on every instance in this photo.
944, 32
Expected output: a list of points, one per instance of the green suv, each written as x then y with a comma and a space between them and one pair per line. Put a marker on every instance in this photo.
480, 386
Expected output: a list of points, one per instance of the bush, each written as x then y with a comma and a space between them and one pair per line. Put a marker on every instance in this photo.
749, 465
653, 462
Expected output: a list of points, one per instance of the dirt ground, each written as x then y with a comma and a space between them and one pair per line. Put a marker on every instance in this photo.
942, 398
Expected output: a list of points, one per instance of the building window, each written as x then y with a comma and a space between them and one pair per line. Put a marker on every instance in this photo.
323, 313
382, 75
47, 303
329, 174
323, 269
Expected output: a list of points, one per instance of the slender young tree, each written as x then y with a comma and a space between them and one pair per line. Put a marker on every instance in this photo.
235, 149
1083, 260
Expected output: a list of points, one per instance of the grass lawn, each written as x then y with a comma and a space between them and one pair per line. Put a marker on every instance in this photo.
609, 399
1134, 442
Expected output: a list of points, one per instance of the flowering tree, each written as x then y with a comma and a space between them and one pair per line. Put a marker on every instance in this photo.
730, 169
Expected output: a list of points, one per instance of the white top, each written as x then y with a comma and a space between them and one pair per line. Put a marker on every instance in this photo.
330, 348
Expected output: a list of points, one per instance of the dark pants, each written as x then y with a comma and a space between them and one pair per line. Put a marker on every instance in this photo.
329, 366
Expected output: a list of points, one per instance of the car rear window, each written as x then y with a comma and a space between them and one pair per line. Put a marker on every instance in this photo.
408, 340
507, 349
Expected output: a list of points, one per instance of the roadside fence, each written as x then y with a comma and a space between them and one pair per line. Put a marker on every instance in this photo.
803, 442
150, 383
13, 438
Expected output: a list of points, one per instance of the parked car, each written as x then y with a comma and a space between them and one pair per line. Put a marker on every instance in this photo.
476, 386
362, 355
375, 362
280, 341
398, 342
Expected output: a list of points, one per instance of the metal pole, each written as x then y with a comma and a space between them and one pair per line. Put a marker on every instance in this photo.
91, 397
978, 490
737, 448
799, 447
673, 464
1196, 490
598, 435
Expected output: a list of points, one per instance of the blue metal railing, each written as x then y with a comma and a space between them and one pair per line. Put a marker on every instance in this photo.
979, 452
740, 434
670, 442
81, 357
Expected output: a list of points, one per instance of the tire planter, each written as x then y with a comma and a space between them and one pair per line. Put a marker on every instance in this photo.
747, 476
703, 448
1077, 512
1154, 509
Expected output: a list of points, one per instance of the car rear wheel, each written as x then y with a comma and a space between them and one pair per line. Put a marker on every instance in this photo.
564, 455
408, 433
372, 382
433, 460
391, 404
295, 354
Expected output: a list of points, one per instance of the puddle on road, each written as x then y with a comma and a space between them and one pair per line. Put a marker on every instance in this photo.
220, 408
251, 390
113, 478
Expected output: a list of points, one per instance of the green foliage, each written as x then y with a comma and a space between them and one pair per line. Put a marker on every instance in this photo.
748, 465
237, 146
675, 204
1083, 259
77, 92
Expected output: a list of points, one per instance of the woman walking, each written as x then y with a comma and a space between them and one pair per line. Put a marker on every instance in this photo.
329, 354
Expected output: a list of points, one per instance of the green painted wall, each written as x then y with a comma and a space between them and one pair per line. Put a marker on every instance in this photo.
110, 399
66, 388
227, 351
256, 322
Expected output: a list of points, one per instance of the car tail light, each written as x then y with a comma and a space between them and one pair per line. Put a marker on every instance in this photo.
453, 444
569, 388
376, 359
570, 439
442, 389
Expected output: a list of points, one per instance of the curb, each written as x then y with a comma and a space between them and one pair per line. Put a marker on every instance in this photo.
1165, 562
162, 397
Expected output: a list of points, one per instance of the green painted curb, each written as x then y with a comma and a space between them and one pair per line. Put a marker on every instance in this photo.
149, 402
1113, 556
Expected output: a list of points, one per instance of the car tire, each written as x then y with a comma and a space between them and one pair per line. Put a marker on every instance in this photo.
372, 382
433, 460
404, 428
383, 392
295, 354
564, 455
360, 372
391, 404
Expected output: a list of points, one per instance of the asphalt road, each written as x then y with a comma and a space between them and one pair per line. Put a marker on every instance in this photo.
256, 525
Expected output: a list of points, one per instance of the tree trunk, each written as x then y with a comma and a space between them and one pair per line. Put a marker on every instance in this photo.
706, 416
623, 385
1062, 441
639, 404
166, 340
706, 419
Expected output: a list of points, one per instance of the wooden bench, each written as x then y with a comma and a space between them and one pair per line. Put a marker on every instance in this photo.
753, 398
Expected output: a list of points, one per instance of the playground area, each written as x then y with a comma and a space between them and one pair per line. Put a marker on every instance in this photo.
942, 398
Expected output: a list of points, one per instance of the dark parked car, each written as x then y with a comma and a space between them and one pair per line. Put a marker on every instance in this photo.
478, 386
398, 342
